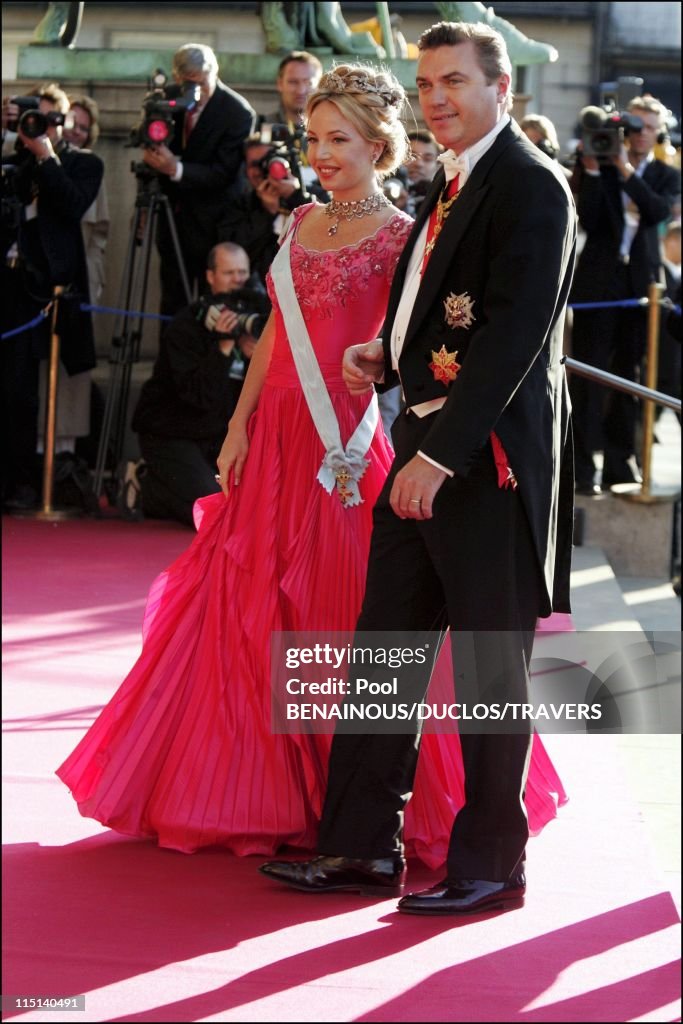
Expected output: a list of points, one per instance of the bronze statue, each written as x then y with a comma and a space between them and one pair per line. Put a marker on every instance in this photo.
59, 26
305, 26
521, 49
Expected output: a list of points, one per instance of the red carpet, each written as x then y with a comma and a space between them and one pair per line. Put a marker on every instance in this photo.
151, 935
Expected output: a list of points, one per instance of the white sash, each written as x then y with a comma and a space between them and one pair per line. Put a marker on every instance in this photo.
340, 468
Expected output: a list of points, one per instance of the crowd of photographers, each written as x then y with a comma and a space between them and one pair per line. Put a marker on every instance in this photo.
231, 179
624, 194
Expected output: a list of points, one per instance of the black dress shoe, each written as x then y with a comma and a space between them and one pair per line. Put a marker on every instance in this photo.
380, 877
466, 896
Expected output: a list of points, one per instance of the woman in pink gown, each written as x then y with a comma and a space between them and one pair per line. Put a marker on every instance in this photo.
184, 752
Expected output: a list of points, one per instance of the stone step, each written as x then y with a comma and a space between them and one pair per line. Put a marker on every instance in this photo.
597, 599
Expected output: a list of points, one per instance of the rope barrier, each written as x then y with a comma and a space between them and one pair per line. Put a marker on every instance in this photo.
624, 303
27, 327
85, 308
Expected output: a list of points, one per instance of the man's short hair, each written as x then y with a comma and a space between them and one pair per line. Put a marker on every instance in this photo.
56, 96
193, 58
425, 136
253, 140
491, 50
650, 105
299, 57
230, 247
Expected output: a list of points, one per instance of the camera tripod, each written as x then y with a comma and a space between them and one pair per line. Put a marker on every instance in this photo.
150, 203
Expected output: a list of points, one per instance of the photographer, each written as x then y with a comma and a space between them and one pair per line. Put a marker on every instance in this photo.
621, 196
257, 217
51, 185
199, 169
184, 407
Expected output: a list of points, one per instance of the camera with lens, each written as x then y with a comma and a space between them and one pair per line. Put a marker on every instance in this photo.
284, 147
604, 128
603, 131
159, 109
31, 121
250, 306
248, 303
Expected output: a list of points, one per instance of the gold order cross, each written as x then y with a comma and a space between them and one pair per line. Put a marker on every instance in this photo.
443, 208
343, 476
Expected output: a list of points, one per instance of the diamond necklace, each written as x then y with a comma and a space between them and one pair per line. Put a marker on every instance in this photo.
354, 208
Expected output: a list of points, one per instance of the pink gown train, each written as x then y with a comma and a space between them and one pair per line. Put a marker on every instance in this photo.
183, 752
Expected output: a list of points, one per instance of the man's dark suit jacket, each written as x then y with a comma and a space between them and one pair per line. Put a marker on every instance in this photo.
52, 243
508, 247
212, 156
601, 214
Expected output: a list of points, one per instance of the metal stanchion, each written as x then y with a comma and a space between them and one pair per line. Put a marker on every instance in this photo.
643, 492
47, 512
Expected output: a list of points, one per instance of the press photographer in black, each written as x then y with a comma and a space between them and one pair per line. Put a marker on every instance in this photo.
47, 187
623, 193
199, 169
184, 407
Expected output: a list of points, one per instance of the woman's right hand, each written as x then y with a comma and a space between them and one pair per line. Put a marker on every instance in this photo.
232, 457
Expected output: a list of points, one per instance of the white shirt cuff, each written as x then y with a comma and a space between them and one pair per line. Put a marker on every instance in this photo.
178, 171
444, 469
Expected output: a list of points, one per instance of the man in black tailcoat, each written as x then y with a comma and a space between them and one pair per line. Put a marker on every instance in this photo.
473, 527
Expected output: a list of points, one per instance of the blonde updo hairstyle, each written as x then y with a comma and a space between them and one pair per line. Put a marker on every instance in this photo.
372, 101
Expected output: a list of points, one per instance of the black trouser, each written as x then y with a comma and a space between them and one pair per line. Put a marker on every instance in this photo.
603, 419
178, 472
21, 357
473, 567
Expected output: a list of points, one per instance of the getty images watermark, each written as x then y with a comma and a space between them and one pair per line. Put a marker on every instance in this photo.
486, 682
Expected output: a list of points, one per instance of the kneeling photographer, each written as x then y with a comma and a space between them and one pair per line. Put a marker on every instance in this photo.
183, 412
47, 187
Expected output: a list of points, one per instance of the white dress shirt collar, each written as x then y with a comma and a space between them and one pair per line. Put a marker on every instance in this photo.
464, 163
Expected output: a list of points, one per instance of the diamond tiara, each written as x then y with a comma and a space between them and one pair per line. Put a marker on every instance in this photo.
355, 83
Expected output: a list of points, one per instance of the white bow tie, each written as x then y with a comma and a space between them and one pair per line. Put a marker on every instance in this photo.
453, 164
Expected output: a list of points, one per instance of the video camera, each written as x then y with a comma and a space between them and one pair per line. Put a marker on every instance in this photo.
31, 121
603, 131
159, 109
604, 128
282, 159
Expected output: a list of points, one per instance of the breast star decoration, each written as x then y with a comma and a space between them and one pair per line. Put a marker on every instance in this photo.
459, 310
443, 365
